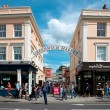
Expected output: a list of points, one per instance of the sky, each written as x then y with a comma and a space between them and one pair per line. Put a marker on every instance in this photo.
56, 20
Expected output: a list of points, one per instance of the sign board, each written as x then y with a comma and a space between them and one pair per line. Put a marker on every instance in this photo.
56, 47
56, 90
48, 73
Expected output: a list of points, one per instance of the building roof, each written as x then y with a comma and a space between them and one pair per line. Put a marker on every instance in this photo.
91, 14
23, 11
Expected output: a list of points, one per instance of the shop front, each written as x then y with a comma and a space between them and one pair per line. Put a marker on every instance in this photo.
16, 71
96, 74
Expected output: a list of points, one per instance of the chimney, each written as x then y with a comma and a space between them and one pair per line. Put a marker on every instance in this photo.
105, 7
5, 6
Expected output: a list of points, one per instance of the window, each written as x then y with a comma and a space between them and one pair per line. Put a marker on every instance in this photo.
17, 53
101, 53
2, 53
18, 30
101, 28
2, 30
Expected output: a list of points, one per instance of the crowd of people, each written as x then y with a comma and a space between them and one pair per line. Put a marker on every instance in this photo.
48, 88
39, 91
103, 91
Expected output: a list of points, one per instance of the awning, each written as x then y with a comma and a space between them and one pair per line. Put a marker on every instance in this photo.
14, 65
95, 66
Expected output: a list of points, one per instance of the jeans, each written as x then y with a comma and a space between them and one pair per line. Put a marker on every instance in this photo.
45, 97
64, 95
38, 94
72, 94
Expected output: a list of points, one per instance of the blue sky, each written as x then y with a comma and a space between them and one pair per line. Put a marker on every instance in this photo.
56, 20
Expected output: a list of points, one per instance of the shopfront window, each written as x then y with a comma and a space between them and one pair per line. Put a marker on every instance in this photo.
5, 78
87, 75
102, 79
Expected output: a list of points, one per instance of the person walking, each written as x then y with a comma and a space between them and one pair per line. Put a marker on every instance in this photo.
61, 90
107, 90
72, 92
33, 93
64, 93
18, 87
45, 90
9, 89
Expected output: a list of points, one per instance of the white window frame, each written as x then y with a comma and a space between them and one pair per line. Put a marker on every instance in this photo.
4, 45
17, 45
3, 30
101, 29
18, 30
102, 45
13, 53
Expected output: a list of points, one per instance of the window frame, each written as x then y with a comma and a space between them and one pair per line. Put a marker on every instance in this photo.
101, 29
14, 53
3, 31
5, 53
102, 45
17, 31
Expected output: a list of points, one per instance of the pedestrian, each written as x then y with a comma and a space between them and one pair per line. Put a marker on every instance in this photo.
45, 90
26, 90
64, 93
87, 89
102, 93
39, 92
18, 87
72, 92
33, 93
107, 90
61, 89
9, 89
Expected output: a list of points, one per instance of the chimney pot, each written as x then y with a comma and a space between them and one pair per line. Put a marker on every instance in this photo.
105, 7
5, 6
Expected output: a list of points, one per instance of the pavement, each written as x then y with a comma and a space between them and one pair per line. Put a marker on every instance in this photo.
56, 99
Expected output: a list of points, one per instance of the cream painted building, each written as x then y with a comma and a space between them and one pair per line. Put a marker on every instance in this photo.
92, 39
19, 37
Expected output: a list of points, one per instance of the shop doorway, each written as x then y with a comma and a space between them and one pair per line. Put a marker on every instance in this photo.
88, 80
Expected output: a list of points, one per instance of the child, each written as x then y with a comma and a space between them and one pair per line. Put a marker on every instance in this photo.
102, 93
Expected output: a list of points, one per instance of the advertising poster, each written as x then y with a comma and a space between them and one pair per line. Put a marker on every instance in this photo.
56, 90
48, 73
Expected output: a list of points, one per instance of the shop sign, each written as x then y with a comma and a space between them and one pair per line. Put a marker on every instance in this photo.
98, 66
56, 47
6, 79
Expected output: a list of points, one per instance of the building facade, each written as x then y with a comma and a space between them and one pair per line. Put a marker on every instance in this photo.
19, 37
92, 39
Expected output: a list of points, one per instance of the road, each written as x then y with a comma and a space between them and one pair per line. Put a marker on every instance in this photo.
52, 106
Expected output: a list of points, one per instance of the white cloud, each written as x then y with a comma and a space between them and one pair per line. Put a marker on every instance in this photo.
57, 33
60, 31
70, 16
46, 64
45, 53
66, 64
